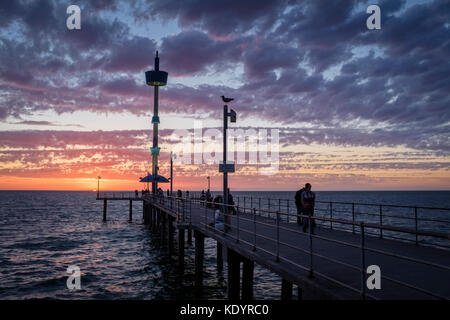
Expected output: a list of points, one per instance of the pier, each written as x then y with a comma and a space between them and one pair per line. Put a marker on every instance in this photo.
331, 263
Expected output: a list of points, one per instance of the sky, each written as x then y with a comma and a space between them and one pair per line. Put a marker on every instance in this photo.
355, 109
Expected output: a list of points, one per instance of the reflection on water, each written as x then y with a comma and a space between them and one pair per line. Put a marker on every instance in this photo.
42, 233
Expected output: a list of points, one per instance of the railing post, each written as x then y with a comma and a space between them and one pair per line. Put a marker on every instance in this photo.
237, 225
206, 220
415, 222
381, 220
353, 218
254, 229
310, 247
251, 202
331, 215
288, 211
278, 237
268, 207
363, 262
279, 204
259, 206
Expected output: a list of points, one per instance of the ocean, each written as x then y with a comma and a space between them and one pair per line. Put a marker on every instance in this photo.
42, 233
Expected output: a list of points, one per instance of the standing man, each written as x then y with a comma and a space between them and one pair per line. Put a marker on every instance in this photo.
308, 202
298, 204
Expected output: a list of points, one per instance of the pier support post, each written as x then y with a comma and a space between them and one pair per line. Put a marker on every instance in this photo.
299, 293
219, 257
104, 209
181, 250
131, 211
189, 235
247, 279
199, 255
153, 218
233, 274
171, 234
163, 219
286, 290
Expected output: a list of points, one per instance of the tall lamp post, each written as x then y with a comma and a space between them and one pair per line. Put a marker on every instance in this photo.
155, 78
226, 167
209, 181
98, 187
172, 156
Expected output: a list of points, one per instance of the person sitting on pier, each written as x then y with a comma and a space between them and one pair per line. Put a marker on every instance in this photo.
308, 202
218, 214
298, 204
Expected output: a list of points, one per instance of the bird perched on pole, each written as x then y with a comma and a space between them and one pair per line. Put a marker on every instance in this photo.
226, 99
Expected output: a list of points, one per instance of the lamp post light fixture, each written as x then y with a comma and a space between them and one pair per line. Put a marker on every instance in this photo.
155, 78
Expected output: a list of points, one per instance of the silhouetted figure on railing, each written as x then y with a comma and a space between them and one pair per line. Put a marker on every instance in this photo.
179, 194
231, 203
298, 204
308, 202
209, 197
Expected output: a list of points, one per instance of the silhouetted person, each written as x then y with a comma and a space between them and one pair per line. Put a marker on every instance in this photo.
218, 214
298, 204
179, 194
203, 196
308, 202
231, 203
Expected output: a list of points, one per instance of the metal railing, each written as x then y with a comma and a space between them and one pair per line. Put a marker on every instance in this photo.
381, 214
180, 207
254, 230
118, 195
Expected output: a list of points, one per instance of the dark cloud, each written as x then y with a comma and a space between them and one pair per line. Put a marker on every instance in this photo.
303, 61
219, 17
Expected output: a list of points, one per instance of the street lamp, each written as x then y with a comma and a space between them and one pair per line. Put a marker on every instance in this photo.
98, 187
155, 78
209, 181
226, 167
172, 156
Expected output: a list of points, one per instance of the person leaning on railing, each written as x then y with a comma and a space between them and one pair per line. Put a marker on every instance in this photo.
298, 204
308, 201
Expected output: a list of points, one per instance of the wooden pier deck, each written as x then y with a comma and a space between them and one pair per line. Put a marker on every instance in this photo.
329, 264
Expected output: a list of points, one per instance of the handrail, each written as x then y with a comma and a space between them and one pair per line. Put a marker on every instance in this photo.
248, 215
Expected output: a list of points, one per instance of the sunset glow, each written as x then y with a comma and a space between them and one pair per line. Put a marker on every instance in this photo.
356, 109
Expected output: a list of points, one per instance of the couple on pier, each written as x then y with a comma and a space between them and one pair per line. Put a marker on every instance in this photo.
305, 202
